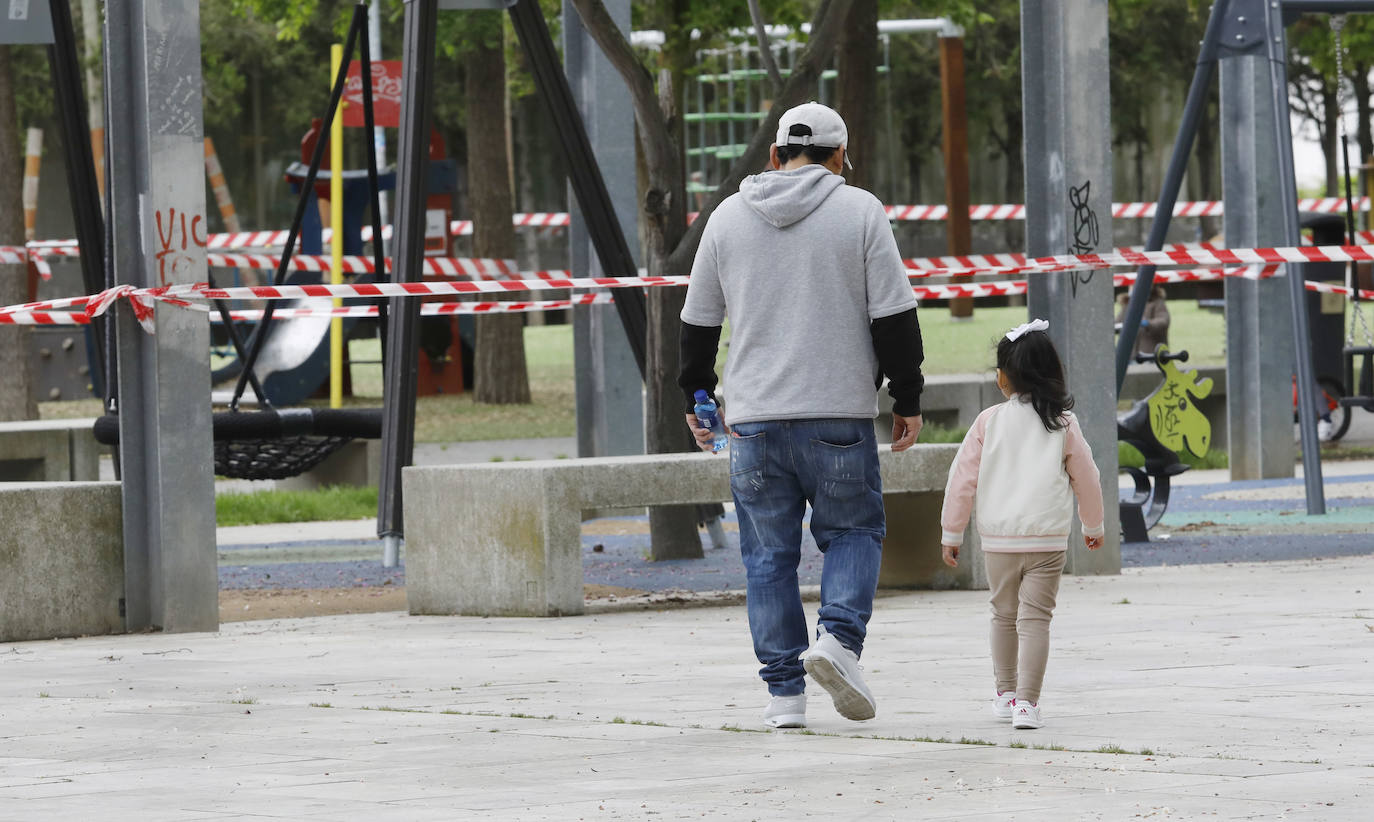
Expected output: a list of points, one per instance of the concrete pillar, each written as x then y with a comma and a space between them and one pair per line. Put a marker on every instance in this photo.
1068, 211
157, 237
1259, 325
610, 393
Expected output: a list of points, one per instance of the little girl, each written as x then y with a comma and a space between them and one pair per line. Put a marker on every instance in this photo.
1020, 466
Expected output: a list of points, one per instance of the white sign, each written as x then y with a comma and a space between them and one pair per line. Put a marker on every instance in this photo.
25, 22
436, 224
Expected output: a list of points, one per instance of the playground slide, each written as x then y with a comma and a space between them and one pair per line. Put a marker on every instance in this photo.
294, 362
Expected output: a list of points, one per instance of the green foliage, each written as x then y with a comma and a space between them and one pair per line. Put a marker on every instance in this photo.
1128, 456
331, 503
32, 87
939, 433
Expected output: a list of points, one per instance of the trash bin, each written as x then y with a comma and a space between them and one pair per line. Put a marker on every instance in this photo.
1326, 312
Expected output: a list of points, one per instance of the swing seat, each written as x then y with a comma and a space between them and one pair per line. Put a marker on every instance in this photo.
1362, 395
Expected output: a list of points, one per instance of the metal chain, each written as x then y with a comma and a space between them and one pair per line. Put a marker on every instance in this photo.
1351, 281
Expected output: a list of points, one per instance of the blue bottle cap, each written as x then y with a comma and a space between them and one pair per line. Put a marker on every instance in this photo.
701, 396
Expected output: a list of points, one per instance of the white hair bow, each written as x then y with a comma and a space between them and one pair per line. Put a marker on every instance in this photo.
1026, 328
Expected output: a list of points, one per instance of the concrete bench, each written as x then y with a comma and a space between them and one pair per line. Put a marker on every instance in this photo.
61, 560
504, 539
49, 451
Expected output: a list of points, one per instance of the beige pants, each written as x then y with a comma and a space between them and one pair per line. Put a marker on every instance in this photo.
1024, 587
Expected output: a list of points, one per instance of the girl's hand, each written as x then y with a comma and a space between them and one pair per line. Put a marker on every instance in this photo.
950, 554
1093, 543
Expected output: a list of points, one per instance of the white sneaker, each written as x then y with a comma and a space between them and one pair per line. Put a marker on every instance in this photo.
1001, 704
1026, 716
1324, 430
836, 669
786, 712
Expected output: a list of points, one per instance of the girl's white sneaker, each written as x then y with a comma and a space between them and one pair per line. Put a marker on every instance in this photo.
1001, 704
1025, 716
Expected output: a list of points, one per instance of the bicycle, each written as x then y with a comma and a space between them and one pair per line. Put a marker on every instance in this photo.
1336, 414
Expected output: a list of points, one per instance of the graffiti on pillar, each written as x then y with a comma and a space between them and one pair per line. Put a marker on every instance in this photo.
177, 238
1085, 233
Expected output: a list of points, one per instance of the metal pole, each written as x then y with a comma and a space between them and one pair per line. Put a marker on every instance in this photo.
1297, 290
610, 395
1259, 338
584, 171
157, 226
336, 240
1168, 191
82, 185
398, 419
374, 46
1068, 209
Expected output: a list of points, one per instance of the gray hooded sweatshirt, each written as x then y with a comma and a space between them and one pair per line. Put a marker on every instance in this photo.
802, 264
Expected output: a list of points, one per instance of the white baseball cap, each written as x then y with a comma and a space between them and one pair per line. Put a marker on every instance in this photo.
827, 128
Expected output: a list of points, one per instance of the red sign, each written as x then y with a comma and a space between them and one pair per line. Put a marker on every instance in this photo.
386, 93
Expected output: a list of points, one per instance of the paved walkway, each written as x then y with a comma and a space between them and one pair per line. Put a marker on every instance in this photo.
1218, 691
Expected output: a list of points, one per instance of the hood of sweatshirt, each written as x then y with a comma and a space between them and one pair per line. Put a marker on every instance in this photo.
784, 197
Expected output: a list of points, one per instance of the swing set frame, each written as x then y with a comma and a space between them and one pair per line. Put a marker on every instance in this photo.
1242, 28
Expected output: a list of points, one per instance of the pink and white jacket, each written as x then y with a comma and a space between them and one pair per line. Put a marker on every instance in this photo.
1022, 480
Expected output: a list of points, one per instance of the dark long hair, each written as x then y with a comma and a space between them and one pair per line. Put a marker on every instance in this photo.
1032, 366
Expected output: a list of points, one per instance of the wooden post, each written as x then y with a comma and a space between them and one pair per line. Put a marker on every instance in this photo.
955, 128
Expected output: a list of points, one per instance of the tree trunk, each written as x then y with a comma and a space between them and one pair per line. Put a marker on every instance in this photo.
1330, 113
1140, 148
1206, 142
1364, 135
16, 400
501, 376
673, 530
856, 58
1014, 231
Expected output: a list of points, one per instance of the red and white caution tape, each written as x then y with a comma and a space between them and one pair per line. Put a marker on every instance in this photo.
201, 291
1120, 211
475, 268
1251, 262
1173, 257
45, 318
427, 309
898, 213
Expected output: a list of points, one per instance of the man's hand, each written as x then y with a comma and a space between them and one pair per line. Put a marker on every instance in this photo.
703, 436
1093, 543
950, 554
904, 431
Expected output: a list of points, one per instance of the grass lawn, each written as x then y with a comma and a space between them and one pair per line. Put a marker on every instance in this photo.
965, 346
331, 503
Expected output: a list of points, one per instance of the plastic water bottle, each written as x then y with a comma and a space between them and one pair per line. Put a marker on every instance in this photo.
706, 415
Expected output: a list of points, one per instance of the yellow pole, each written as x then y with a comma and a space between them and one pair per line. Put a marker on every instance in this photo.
336, 340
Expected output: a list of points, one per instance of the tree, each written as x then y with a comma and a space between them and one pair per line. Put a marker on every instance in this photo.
992, 45
1314, 86
671, 242
857, 89
16, 398
500, 351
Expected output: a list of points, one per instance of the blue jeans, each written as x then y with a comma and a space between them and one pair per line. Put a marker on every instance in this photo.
776, 468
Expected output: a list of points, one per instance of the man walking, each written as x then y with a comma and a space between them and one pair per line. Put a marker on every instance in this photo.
820, 309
